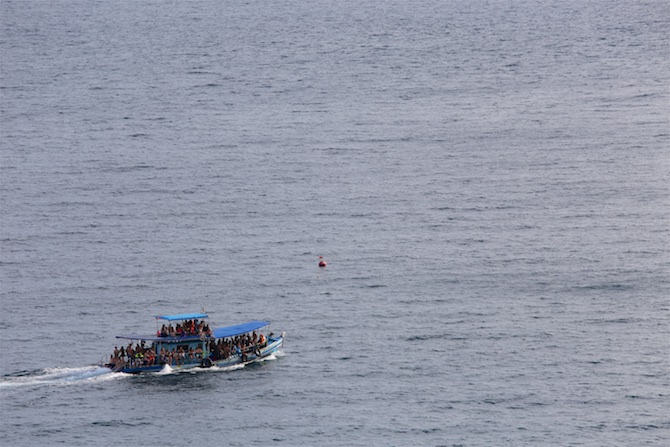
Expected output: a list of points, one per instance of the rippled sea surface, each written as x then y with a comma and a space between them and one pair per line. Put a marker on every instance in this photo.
488, 181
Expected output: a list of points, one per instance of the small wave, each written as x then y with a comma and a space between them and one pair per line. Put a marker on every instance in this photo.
605, 286
119, 423
167, 369
228, 368
273, 356
425, 337
214, 368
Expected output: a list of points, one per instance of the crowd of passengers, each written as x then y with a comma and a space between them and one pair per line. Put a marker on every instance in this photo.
189, 327
133, 356
139, 355
241, 345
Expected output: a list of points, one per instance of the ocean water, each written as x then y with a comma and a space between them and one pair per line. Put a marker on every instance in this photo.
488, 181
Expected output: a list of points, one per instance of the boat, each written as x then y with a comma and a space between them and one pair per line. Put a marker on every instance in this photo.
186, 341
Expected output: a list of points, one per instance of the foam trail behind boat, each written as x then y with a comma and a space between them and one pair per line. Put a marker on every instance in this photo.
57, 376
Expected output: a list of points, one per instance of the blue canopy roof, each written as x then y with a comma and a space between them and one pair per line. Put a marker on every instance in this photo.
222, 332
181, 317
239, 329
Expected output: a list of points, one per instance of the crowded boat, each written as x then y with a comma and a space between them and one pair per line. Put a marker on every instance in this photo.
185, 341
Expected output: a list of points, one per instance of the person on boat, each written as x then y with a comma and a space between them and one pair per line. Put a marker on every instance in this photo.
150, 358
261, 341
114, 362
130, 352
139, 358
164, 356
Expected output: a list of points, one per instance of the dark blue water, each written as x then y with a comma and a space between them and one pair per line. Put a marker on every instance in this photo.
487, 181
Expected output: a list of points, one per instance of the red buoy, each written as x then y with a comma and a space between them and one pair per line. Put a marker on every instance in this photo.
322, 262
